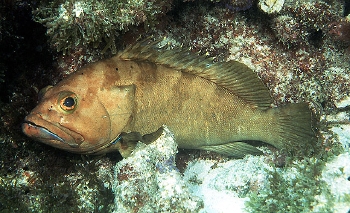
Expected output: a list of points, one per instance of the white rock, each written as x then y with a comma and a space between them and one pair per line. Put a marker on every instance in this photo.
148, 180
336, 174
271, 6
343, 103
223, 186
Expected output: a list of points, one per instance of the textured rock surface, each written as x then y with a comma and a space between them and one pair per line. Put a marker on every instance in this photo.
148, 180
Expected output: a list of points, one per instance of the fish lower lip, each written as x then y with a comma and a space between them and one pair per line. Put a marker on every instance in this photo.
31, 129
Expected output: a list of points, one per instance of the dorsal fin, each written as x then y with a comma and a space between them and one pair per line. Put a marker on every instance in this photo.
232, 75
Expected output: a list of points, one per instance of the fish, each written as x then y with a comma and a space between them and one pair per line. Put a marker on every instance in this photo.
112, 104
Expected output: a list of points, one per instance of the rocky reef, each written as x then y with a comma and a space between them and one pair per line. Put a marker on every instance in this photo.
149, 181
299, 48
81, 23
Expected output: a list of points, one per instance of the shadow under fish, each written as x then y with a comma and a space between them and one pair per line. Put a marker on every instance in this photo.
111, 104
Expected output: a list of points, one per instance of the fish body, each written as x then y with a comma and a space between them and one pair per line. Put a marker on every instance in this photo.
220, 107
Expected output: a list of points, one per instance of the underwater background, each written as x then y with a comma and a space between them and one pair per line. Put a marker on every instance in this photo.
299, 48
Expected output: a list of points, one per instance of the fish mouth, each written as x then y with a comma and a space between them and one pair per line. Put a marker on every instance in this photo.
39, 132
34, 126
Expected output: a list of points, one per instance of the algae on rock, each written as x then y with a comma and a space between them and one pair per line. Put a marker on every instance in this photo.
75, 22
148, 180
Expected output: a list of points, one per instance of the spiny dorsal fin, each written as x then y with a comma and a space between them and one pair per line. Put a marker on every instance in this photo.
232, 75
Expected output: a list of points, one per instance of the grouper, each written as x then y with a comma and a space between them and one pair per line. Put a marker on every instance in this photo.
112, 104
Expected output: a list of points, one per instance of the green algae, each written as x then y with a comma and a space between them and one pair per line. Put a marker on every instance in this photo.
298, 187
72, 23
70, 185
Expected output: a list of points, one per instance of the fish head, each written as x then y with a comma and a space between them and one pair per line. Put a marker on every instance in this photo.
76, 119
68, 120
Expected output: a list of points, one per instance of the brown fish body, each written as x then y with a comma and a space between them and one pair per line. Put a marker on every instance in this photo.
206, 106
195, 109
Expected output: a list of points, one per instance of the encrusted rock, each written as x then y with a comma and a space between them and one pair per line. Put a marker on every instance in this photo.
148, 180
271, 6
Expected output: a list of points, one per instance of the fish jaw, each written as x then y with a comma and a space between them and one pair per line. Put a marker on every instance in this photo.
40, 133
51, 134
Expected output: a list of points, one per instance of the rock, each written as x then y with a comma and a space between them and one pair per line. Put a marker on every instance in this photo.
148, 180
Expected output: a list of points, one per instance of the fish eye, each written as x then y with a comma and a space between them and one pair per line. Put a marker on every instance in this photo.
67, 101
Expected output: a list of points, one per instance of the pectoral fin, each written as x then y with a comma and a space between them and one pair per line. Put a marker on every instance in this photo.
149, 138
233, 149
126, 142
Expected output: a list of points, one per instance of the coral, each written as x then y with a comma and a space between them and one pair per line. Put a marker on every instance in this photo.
337, 176
288, 189
238, 5
338, 123
233, 5
80, 186
148, 181
341, 30
288, 30
211, 27
271, 6
315, 15
299, 23
223, 184
74, 23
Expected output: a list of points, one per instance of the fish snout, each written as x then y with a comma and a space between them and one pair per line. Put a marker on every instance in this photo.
51, 133
40, 133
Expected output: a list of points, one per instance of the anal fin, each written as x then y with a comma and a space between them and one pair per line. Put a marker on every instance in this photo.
236, 149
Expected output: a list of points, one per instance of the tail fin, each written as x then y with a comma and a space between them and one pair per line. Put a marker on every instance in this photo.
295, 130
